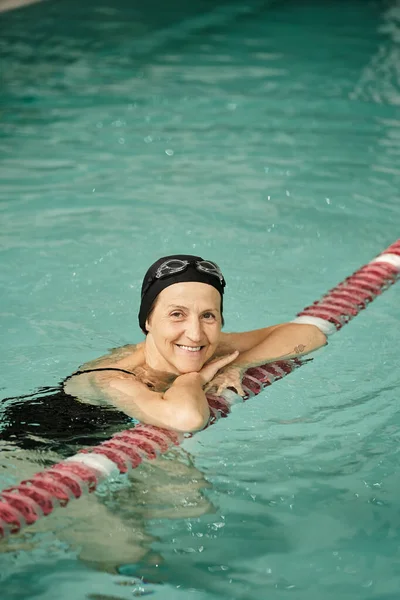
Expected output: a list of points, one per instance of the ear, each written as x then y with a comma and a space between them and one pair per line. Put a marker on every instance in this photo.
147, 326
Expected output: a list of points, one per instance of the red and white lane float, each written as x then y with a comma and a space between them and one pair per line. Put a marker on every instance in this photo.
25, 503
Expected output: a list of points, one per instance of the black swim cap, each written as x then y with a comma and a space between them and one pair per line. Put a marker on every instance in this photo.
152, 285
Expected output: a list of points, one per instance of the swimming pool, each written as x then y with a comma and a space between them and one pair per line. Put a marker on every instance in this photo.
266, 139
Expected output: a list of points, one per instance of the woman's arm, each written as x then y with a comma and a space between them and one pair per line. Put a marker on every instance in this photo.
248, 340
288, 340
183, 407
279, 342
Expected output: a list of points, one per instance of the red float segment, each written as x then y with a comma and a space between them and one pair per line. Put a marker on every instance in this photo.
393, 249
69, 481
43, 481
128, 449
154, 436
345, 301
219, 404
148, 448
24, 505
131, 456
86, 474
142, 445
158, 444
76, 477
11, 519
42, 498
173, 436
256, 379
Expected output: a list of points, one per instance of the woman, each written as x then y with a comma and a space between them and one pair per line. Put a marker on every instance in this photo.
162, 381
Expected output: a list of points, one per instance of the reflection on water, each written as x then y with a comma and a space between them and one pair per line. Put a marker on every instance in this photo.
379, 81
13, 4
108, 531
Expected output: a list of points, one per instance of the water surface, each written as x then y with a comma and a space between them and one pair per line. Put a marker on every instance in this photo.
264, 136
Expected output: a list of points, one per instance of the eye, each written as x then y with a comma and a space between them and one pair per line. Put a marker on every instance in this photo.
177, 314
208, 316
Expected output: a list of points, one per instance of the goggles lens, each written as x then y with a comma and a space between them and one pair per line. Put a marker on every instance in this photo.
174, 265
170, 267
211, 268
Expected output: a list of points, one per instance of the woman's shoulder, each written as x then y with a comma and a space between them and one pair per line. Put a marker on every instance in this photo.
125, 357
83, 383
123, 362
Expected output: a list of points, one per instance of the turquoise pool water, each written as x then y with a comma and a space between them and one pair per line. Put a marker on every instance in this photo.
264, 136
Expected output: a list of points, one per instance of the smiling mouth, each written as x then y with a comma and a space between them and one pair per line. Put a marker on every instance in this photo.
190, 348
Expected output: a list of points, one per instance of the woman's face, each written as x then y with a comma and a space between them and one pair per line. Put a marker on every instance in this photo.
184, 327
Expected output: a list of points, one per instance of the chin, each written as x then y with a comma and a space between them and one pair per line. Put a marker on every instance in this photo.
183, 371
189, 368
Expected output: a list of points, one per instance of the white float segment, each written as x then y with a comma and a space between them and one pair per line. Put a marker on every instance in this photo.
325, 326
99, 462
392, 259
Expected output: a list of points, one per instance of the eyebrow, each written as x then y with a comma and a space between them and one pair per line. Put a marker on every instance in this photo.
186, 308
176, 306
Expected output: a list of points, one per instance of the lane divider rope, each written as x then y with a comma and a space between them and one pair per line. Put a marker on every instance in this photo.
25, 503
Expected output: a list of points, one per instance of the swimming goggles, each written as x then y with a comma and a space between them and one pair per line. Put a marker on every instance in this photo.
174, 266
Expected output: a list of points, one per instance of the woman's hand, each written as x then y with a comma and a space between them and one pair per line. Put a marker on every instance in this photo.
231, 377
209, 370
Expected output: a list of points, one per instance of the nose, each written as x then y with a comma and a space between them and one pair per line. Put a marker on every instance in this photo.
193, 329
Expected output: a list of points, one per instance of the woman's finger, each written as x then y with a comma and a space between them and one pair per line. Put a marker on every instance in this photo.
222, 362
225, 360
209, 371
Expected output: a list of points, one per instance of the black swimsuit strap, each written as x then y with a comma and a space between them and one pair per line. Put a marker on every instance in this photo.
100, 369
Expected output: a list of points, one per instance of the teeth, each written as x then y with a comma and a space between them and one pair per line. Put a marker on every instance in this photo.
190, 348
